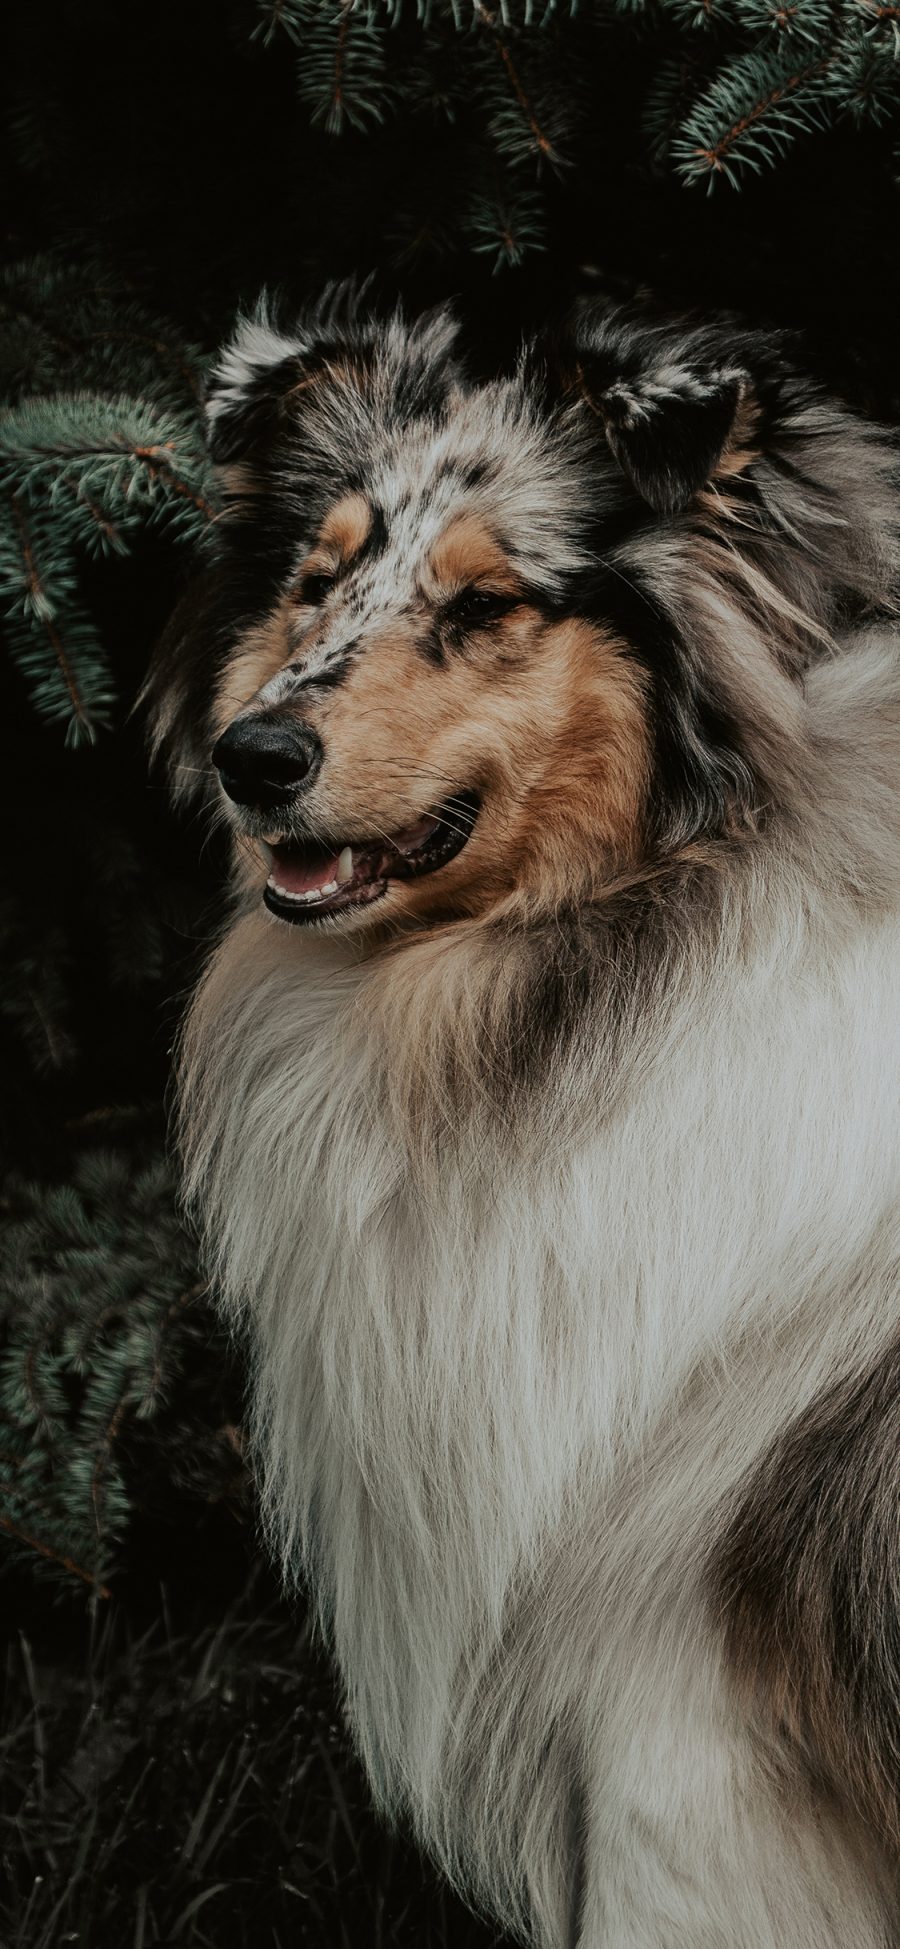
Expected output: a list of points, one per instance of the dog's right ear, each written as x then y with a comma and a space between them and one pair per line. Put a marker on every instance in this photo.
255, 374
263, 370
265, 376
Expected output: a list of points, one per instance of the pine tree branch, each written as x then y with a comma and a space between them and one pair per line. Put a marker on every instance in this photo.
157, 460
40, 607
101, 1302
541, 142
716, 154
506, 224
796, 99
195, 1292
818, 22
275, 19
28, 1376
53, 1556
83, 500
56, 1048
49, 434
101, 1465
337, 95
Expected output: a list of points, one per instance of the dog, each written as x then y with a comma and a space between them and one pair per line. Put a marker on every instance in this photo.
539, 1104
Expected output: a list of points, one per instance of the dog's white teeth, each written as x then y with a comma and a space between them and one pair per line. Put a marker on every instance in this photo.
332, 887
299, 899
267, 852
345, 866
270, 838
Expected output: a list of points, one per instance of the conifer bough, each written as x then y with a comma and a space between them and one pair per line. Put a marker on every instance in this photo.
101, 438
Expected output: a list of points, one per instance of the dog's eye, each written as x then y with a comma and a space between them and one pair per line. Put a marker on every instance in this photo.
475, 607
314, 588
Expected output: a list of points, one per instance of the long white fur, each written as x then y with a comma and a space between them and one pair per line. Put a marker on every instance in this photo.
510, 1372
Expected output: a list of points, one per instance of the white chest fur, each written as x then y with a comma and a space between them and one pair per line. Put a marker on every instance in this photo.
508, 1368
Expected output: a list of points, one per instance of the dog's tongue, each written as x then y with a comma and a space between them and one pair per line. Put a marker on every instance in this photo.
301, 869
309, 868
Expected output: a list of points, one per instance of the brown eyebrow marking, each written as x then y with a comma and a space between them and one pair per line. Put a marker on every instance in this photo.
352, 530
468, 552
346, 528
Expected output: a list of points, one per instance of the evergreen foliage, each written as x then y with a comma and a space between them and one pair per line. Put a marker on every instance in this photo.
111, 1367
762, 72
99, 439
107, 1369
807, 66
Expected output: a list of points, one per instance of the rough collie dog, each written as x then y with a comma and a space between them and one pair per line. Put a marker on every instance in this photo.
540, 1101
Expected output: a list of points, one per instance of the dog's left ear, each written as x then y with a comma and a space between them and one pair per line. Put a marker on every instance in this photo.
670, 404
671, 428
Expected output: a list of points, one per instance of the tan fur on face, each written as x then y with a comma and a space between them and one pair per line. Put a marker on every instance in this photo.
466, 554
556, 745
345, 530
545, 721
257, 657
343, 535
266, 648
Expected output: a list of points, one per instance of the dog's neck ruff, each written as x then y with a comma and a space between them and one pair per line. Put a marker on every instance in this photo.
486, 1299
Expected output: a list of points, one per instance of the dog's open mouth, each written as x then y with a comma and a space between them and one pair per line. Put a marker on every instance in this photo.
308, 880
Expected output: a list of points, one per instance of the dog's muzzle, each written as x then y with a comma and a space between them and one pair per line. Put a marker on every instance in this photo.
264, 759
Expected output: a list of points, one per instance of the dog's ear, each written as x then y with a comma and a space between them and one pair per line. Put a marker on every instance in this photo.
665, 403
249, 385
670, 430
266, 374
263, 370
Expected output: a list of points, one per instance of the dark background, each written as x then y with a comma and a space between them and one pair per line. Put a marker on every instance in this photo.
174, 1764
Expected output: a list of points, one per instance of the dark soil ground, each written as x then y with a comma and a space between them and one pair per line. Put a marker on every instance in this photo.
174, 1769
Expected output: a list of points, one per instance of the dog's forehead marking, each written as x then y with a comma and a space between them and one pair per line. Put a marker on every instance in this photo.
423, 554
382, 557
468, 550
436, 508
347, 526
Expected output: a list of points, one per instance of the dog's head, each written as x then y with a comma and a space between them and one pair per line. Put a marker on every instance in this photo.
468, 646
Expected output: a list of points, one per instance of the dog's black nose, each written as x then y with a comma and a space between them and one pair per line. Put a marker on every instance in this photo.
262, 759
